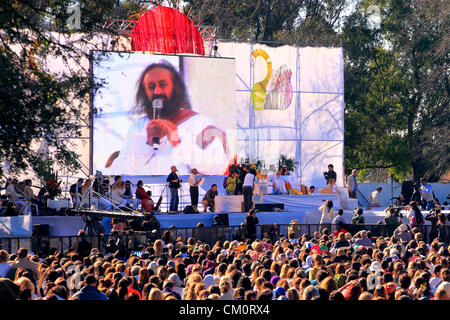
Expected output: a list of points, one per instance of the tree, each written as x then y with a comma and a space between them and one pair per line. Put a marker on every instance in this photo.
396, 94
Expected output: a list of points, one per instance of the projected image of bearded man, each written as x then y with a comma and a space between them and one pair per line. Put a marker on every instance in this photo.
187, 139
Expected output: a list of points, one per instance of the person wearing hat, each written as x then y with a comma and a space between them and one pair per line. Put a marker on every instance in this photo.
403, 233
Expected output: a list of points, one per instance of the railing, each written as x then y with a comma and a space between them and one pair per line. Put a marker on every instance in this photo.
210, 235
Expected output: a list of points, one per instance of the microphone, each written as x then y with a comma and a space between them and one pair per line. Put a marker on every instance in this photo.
157, 106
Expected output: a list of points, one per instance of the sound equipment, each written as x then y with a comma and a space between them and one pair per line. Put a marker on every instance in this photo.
267, 207
41, 230
222, 219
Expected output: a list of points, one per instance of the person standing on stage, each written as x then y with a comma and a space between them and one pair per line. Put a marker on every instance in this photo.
242, 172
247, 189
144, 197
174, 185
194, 181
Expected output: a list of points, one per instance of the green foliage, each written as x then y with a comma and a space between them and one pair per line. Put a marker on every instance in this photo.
290, 163
37, 104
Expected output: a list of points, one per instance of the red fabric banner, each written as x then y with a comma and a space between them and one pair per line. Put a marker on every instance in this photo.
166, 30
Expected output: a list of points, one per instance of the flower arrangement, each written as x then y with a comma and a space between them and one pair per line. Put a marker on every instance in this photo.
52, 185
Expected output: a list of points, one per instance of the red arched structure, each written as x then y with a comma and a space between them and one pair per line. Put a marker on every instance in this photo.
166, 30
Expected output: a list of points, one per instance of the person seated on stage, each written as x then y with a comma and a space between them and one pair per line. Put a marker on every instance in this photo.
329, 188
144, 197
30, 196
88, 198
75, 193
312, 190
208, 199
278, 185
374, 198
117, 191
128, 196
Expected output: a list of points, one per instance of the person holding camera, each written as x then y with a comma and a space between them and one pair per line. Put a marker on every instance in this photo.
174, 185
330, 174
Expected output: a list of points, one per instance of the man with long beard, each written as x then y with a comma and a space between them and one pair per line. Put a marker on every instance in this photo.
187, 139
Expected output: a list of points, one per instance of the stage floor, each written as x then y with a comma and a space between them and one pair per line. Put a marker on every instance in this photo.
303, 208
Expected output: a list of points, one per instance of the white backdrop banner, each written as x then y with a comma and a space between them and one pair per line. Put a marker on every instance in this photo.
290, 101
265, 101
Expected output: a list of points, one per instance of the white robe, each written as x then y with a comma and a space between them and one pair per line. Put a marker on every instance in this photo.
139, 158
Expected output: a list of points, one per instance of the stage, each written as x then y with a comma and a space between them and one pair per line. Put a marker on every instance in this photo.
303, 208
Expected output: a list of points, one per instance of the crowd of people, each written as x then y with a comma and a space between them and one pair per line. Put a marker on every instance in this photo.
327, 266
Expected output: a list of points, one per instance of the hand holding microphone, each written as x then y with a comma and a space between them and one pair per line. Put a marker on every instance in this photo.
159, 128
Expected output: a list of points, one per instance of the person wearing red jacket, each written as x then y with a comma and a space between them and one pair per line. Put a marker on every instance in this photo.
144, 197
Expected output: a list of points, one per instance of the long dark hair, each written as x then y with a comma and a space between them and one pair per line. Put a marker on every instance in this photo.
179, 95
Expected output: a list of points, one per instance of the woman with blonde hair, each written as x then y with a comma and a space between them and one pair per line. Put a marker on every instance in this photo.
158, 246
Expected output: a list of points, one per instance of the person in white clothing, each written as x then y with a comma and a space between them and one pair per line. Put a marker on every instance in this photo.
117, 192
374, 198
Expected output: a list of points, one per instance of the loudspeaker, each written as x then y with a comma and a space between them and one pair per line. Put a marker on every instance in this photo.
408, 189
41, 230
189, 210
268, 206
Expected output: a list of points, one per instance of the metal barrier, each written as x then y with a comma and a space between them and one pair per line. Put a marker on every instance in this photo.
209, 235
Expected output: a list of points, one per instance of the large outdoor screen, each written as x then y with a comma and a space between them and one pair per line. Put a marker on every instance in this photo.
158, 111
